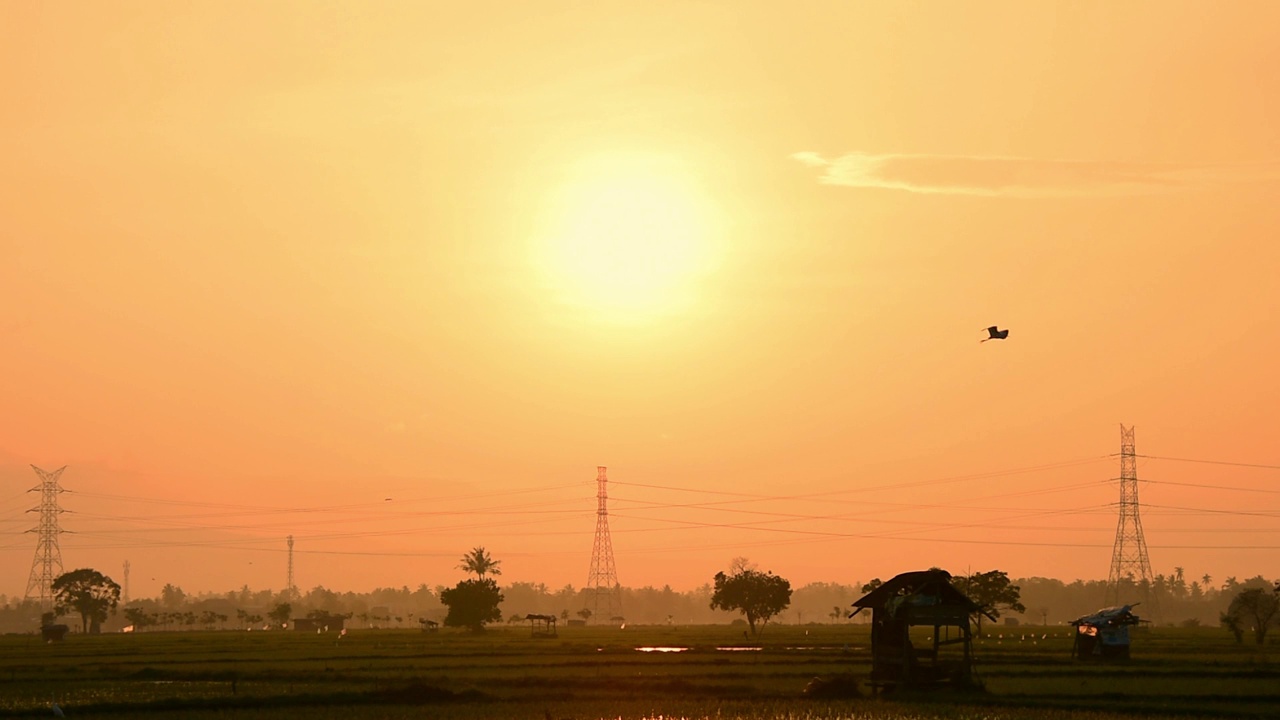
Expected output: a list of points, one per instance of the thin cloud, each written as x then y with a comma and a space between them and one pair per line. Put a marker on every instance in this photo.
996, 176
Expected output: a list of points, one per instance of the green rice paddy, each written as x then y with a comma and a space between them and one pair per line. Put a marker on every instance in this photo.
597, 673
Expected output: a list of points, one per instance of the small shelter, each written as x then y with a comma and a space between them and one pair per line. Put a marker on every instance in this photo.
429, 626
919, 599
1104, 634
542, 625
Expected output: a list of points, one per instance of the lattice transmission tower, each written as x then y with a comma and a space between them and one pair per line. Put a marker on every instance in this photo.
1130, 566
47, 565
605, 594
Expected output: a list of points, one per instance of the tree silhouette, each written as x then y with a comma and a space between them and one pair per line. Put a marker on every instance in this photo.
87, 592
758, 595
480, 563
991, 591
172, 596
280, 615
139, 617
1254, 607
472, 603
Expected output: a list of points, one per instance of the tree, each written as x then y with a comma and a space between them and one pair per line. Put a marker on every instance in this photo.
209, 618
991, 591
172, 596
1254, 608
875, 583
585, 614
479, 562
472, 603
139, 617
281, 614
758, 595
87, 592
325, 618
1232, 623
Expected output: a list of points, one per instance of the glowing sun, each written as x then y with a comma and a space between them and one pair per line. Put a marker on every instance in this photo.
628, 239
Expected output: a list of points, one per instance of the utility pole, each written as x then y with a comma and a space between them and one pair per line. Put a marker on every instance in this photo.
126, 583
288, 587
47, 565
606, 595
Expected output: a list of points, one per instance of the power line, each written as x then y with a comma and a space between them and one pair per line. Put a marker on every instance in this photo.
1214, 487
1212, 462
886, 486
1212, 511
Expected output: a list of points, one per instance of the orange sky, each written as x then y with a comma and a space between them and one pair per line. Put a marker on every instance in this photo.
268, 265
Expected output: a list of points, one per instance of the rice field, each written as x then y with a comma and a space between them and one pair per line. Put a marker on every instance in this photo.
604, 673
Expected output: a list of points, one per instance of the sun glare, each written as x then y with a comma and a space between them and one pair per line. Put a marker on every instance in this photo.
627, 240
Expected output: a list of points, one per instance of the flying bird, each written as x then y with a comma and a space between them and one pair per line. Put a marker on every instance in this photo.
996, 333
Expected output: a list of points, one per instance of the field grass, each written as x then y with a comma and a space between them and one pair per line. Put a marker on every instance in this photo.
598, 673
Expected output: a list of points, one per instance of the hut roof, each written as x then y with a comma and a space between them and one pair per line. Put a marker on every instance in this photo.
1109, 617
544, 618
936, 583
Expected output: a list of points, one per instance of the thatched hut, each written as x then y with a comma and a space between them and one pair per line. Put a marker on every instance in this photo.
1105, 634
924, 599
541, 625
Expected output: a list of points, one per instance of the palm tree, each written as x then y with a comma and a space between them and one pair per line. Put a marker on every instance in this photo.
478, 561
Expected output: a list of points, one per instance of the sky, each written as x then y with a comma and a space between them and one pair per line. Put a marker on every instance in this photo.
395, 278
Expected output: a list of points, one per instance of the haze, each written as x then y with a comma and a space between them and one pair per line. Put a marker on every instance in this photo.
394, 278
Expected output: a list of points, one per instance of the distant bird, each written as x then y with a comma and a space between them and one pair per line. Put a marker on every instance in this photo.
996, 333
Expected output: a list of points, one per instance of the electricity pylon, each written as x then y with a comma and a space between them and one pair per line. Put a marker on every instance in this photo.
47, 565
1129, 562
605, 600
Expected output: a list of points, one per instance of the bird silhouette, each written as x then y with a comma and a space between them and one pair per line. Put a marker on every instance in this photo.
996, 333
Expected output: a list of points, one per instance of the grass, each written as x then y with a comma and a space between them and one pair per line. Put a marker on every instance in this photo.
597, 673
